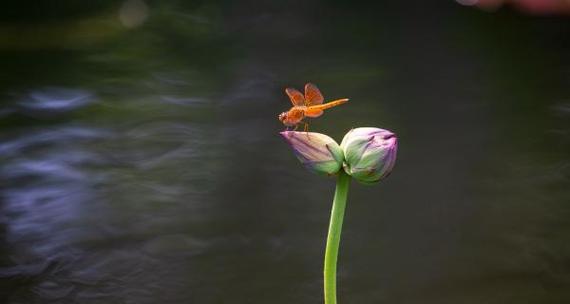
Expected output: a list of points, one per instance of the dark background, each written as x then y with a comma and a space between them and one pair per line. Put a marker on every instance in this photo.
140, 160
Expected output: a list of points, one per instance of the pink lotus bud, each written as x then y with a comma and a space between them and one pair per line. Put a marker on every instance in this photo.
370, 153
318, 152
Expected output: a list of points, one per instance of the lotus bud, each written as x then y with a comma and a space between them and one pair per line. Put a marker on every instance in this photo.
316, 151
370, 153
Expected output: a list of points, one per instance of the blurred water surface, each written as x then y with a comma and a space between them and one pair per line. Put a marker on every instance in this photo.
140, 160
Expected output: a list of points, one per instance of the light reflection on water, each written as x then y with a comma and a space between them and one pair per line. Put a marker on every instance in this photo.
158, 175
55, 100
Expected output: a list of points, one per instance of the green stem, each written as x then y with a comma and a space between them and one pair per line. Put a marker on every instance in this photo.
333, 239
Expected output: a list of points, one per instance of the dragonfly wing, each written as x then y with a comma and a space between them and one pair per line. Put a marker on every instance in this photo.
312, 95
296, 97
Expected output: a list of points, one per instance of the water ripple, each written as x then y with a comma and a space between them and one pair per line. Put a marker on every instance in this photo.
55, 100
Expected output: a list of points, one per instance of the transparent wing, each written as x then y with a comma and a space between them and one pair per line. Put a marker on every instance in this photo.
296, 97
312, 95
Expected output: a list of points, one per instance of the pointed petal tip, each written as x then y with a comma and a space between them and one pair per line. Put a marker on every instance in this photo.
297, 133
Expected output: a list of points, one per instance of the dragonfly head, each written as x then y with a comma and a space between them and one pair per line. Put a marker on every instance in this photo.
283, 117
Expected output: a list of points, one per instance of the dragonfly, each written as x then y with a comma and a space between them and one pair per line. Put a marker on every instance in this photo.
308, 105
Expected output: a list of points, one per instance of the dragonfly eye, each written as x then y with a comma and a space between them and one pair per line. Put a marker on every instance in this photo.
282, 116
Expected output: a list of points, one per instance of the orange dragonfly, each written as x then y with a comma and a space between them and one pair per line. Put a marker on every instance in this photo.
310, 105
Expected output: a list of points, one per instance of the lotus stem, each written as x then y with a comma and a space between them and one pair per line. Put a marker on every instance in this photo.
333, 238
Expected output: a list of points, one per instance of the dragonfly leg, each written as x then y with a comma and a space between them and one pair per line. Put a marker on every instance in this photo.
306, 130
296, 126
